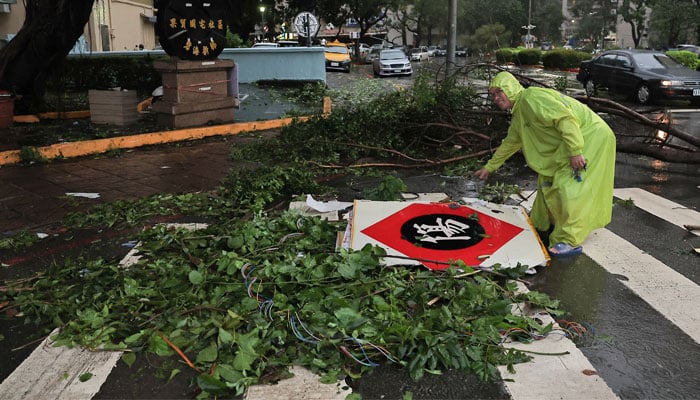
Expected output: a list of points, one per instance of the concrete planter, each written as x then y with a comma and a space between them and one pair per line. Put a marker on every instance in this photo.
113, 107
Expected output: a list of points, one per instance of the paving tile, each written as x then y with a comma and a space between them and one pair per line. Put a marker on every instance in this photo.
34, 196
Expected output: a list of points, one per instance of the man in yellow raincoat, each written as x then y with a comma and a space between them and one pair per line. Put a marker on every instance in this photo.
573, 152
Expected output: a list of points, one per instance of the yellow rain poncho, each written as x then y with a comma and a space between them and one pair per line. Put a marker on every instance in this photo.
550, 127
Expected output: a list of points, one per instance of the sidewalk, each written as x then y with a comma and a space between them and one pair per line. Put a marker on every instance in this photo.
31, 198
34, 197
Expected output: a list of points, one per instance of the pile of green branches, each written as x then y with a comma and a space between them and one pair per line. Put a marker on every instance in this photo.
251, 297
430, 126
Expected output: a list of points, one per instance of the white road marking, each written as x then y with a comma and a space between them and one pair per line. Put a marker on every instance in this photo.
667, 291
660, 207
304, 385
561, 371
549, 377
54, 373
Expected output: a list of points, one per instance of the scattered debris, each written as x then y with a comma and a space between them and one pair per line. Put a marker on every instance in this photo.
84, 195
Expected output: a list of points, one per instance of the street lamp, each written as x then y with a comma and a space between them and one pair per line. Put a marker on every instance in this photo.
262, 21
528, 38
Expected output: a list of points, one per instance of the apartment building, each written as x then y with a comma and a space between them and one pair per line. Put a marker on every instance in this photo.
113, 25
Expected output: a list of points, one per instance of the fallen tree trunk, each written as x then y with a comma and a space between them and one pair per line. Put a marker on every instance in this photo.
660, 153
606, 105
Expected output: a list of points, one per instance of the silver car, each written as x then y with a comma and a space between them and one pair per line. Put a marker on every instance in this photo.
391, 62
372, 55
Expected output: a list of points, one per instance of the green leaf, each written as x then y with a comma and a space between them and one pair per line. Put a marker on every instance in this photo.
209, 354
228, 373
159, 346
330, 377
349, 318
225, 336
85, 377
173, 373
347, 271
196, 277
134, 338
129, 358
246, 355
211, 385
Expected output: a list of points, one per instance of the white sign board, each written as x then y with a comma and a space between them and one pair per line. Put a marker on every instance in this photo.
306, 24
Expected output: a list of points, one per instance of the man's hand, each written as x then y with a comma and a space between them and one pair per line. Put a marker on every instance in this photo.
482, 174
578, 162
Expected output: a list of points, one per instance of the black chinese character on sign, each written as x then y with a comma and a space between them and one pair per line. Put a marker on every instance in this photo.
442, 231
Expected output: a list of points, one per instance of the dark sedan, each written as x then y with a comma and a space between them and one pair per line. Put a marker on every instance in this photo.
644, 74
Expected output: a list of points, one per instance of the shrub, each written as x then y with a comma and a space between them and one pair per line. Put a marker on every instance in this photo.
505, 55
79, 73
563, 59
528, 57
233, 39
687, 58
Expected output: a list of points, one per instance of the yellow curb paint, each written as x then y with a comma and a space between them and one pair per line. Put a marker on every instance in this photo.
326, 105
88, 147
29, 119
97, 146
9, 157
26, 119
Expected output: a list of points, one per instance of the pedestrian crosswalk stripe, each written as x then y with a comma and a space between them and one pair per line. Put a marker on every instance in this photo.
666, 290
555, 370
55, 373
660, 207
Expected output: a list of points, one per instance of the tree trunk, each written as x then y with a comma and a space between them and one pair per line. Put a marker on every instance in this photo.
49, 32
660, 153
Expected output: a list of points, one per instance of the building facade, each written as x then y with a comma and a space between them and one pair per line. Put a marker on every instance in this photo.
113, 25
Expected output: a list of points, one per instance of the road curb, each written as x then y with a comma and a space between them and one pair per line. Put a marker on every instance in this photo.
98, 146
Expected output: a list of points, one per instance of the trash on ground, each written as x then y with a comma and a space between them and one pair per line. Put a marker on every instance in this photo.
84, 195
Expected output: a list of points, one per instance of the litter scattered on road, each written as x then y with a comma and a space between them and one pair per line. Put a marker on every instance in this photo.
84, 195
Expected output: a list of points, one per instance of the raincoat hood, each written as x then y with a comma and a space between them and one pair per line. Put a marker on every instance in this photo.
508, 84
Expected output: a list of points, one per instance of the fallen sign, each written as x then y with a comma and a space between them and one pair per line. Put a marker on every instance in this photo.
477, 232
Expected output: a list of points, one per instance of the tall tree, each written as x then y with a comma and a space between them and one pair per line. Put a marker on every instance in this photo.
673, 22
49, 32
634, 12
547, 16
422, 18
595, 21
511, 14
402, 20
369, 13
488, 38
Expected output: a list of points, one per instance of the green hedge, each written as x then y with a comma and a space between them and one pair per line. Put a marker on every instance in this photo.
528, 57
685, 57
563, 59
81, 73
551, 59
505, 55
